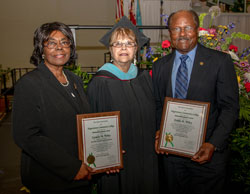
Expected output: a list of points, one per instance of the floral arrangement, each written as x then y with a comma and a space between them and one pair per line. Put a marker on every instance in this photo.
220, 38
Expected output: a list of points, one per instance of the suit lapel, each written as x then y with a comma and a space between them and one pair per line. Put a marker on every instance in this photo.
168, 75
78, 89
201, 62
53, 82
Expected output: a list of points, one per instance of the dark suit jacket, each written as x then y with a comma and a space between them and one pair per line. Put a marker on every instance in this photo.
213, 79
44, 127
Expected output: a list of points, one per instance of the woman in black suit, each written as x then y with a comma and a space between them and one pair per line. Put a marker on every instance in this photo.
46, 102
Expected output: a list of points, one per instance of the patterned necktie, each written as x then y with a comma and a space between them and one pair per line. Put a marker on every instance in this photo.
181, 83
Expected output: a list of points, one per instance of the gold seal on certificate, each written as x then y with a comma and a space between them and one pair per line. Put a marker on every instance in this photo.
183, 126
99, 140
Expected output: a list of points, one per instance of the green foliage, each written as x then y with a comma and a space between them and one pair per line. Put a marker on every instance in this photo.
240, 162
238, 6
244, 109
201, 18
234, 35
240, 145
148, 64
86, 77
240, 137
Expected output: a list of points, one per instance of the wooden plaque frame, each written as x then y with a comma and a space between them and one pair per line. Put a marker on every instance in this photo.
180, 123
83, 137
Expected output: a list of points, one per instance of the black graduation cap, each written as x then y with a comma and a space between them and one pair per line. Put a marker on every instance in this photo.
126, 23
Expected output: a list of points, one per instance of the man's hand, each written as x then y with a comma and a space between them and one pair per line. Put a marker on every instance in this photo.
84, 172
204, 154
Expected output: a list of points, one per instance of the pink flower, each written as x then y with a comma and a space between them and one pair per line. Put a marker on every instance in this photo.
212, 31
247, 86
233, 48
165, 44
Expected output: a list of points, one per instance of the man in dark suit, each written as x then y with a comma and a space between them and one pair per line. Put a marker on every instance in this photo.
209, 77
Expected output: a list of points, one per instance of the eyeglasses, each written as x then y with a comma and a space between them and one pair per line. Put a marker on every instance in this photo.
53, 44
186, 29
120, 44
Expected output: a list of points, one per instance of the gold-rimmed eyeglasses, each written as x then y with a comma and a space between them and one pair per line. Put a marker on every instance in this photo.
54, 44
126, 44
178, 30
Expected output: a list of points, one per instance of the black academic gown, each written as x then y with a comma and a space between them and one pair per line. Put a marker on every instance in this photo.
134, 99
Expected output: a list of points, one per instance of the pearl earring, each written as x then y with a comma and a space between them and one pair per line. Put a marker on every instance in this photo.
135, 61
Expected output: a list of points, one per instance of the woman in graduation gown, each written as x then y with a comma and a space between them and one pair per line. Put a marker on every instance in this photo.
121, 86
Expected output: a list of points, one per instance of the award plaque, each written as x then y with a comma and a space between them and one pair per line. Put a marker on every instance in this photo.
183, 126
99, 140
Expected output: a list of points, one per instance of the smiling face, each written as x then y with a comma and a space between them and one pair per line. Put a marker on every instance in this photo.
183, 32
56, 51
125, 54
123, 48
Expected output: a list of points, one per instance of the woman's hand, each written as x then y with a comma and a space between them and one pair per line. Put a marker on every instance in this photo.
157, 137
115, 170
84, 172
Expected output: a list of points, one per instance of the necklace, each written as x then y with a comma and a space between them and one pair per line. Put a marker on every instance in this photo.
67, 82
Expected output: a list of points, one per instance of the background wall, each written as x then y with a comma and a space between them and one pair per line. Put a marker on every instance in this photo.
19, 20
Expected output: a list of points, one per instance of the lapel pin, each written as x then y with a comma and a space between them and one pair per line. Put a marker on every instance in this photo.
75, 86
201, 63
